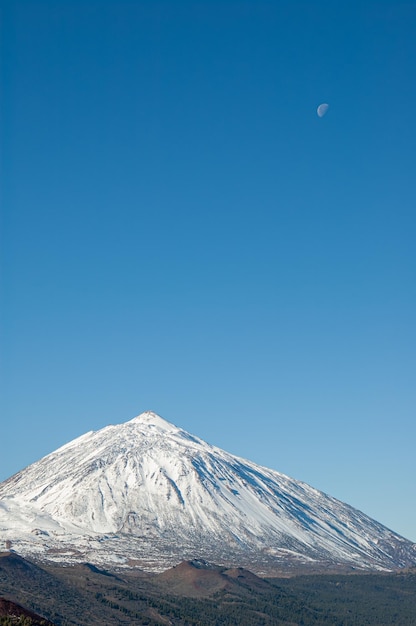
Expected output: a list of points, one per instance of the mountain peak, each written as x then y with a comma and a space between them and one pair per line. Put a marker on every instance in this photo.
151, 418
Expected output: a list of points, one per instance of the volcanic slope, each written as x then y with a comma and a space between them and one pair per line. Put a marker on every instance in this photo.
146, 493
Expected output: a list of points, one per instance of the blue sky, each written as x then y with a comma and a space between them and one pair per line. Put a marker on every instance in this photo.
181, 232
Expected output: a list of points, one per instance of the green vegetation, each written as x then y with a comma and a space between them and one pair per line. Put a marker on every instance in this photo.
84, 596
19, 621
364, 600
358, 600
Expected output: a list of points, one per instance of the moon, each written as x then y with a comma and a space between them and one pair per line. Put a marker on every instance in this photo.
322, 109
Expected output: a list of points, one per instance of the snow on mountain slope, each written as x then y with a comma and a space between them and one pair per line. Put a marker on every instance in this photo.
146, 492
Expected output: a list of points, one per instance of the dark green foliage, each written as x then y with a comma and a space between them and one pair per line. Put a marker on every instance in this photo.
358, 600
82, 596
20, 621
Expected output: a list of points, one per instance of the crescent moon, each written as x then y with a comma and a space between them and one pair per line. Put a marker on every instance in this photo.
322, 109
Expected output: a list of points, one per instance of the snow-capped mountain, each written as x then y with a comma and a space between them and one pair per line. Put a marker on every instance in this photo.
150, 494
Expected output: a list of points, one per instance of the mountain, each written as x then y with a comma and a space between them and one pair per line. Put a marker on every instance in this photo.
200, 579
148, 494
29, 585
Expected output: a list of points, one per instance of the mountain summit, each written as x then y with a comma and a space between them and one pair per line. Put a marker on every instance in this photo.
148, 493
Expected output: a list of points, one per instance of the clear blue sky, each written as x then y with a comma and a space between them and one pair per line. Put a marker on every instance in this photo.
181, 232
